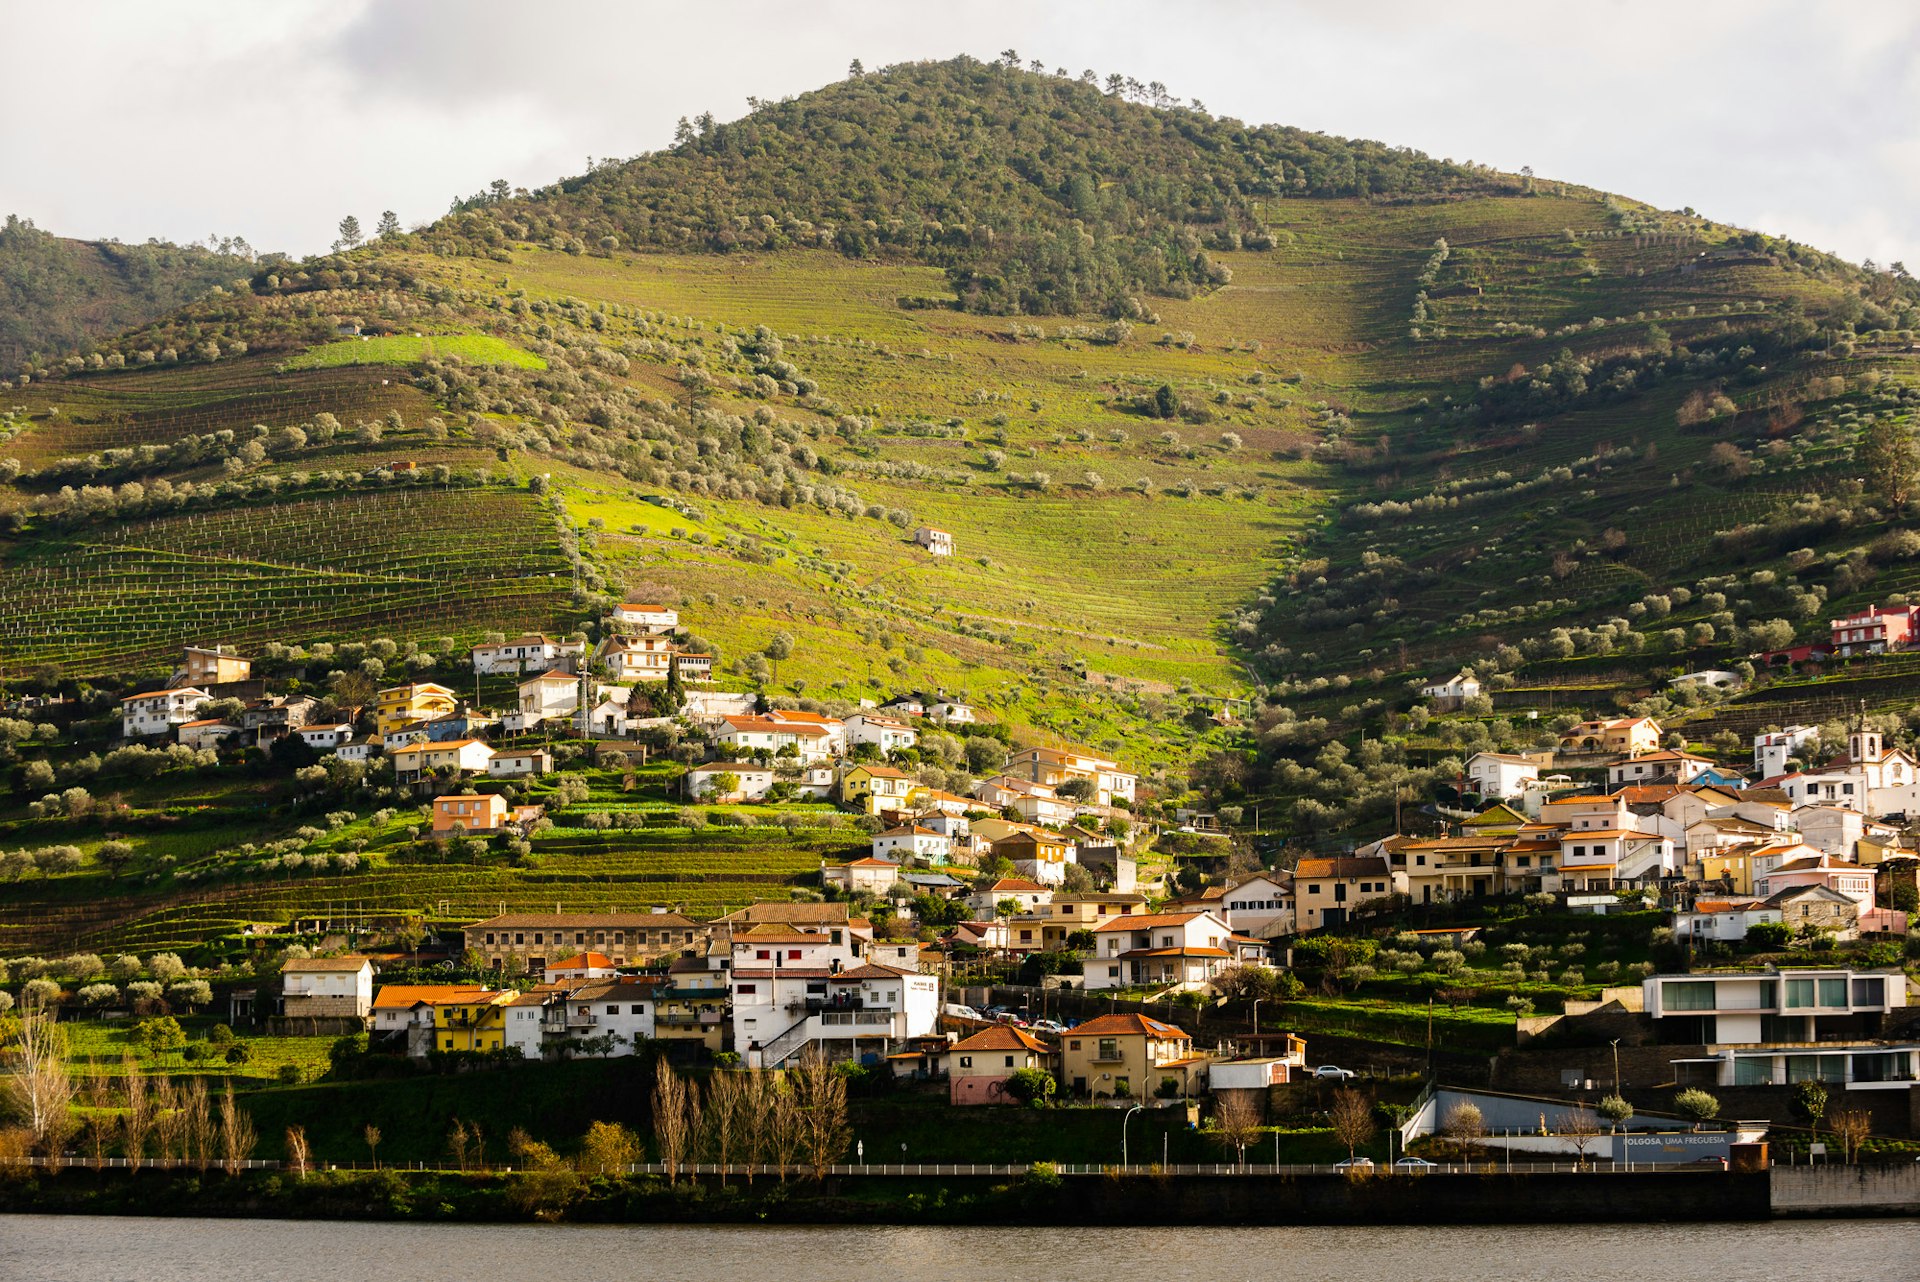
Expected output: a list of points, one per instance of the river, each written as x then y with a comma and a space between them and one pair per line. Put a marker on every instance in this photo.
37, 1248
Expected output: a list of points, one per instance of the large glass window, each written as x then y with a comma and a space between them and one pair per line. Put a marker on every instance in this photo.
1816, 1068
1753, 1070
1688, 994
1799, 994
1871, 991
1833, 992
1883, 1066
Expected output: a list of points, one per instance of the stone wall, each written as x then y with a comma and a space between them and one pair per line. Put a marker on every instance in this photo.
1845, 1190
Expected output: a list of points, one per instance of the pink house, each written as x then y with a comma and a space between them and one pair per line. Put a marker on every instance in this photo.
979, 1066
1839, 875
1873, 631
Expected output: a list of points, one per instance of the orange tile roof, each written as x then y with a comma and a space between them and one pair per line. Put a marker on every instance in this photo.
1148, 921
1003, 1037
583, 961
1130, 1023
403, 995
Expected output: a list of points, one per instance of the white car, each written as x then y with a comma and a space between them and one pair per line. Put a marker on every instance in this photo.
1332, 1073
1354, 1164
957, 1011
1415, 1164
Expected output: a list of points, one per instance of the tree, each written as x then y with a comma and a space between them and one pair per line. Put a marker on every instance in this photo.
1581, 1127
1888, 461
350, 236
389, 224
1166, 403
1616, 1110
237, 1137
372, 1135
1696, 1105
1852, 1127
1352, 1118
159, 1036
39, 1087
1236, 1115
1031, 1085
726, 1117
299, 1152
855, 70
137, 1121
1810, 1101
115, 855
608, 1149
676, 1118
820, 1096
1464, 1126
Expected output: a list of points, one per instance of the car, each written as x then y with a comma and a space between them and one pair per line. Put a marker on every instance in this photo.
957, 1011
1049, 1026
1415, 1164
1332, 1073
1012, 1017
1354, 1164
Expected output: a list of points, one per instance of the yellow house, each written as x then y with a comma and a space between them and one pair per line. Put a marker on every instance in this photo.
401, 705
877, 788
1732, 864
1627, 736
471, 1022
1129, 1057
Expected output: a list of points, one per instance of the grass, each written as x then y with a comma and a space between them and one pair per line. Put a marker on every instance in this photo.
101, 1045
473, 349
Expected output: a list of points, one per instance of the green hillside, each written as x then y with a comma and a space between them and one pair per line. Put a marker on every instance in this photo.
1240, 433
59, 296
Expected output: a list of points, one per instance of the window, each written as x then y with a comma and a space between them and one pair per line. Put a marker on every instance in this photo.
793, 954
519, 938
1833, 992
1073, 1045
1799, 994
1109, 1048
761, 954
1870, 992
1687, 995
966, 1061
746, 990
1009, 1061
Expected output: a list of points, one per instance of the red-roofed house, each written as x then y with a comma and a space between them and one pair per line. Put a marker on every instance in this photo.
978, 1067
1873, 631
1183, 948
1129, 1057
911, 840
587, 965
870, 875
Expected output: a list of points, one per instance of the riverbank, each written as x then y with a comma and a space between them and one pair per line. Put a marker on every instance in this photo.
1034, 1197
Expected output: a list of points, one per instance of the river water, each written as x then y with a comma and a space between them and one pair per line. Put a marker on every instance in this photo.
103, 1249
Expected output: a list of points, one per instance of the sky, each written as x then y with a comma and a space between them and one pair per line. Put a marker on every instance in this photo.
272, 120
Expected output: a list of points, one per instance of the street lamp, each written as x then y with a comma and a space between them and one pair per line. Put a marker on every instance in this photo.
1123, 1131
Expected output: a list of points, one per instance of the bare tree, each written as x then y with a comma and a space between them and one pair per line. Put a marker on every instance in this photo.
758, 1102
101, 1128
1237, 1115
676, 1118
197, 1129
137, 1124
1852, 1127
785, 1127
372, 1135
167, 1122
723, 1118
299, 1152
1352, 1117
39, 1087
820, 1094
1464, 1126
1582, 1127
237, 1137
457, 1142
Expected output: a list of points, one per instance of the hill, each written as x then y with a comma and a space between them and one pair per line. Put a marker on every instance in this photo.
1287, 426
57, 296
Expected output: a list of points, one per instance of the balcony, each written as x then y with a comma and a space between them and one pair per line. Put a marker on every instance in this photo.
847, 1018
820, 1005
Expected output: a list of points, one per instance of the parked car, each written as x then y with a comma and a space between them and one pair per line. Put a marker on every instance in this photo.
957, 1011
1332, 1073
1354, 1164
1049, 1026
1415, 1165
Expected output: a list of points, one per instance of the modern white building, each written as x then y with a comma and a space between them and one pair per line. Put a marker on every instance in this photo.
910, 841
884, 732
651, 616
1776, 1027
159, 711
1503, 775
533, 652
794, 988
327, 987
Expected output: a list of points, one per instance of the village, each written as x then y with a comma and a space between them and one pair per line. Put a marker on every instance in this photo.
1029, 941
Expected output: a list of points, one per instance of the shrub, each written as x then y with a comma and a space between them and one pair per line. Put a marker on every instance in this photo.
1696, 1105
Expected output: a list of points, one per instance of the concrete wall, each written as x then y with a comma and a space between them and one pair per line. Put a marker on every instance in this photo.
1845, 1190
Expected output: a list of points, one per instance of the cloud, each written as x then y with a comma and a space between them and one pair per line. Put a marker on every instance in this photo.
274, 120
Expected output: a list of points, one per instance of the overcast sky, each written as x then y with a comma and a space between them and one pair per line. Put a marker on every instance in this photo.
271, 120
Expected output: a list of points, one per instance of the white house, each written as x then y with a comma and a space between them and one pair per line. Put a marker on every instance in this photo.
327, 737
621, 1006
513, 763
360, 749
1657, 767
327, 987
872, 875
645, 614
551, 694
884, 732
910, 841
906, 707
752, 781
1772, 750
836, 730
1053, 767
949, 713
936, 541
1453, 692
1501, 774
1722, 920
1180, 948
809, 742
159, 711
1260, 906
533, 652
1034, 802
210, 732
1027, 894
792, 988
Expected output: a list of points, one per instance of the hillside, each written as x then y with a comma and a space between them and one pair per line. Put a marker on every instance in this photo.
1291, 425
57, 296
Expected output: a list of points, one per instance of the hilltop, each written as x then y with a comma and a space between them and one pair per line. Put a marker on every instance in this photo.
1240, 433
57, 296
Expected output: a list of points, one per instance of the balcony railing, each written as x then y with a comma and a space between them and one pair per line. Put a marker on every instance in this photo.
839, 1018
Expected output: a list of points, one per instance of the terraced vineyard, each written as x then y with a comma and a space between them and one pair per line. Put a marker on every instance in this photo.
338, 567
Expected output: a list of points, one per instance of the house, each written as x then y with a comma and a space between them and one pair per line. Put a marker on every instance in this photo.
1773, 749
518, 763
1454, 692
793, 988
728, 781
462, 757
1034, 802
217, 665
911, 841
1449, 868
1817, 909
1501, 774
613, 1014
836, 730
1326, 891
1873, 631
1832, 830
410, 1014
804, 740
473, 1023
651, 616
1601, 859
711, 705
876, 788
978, 1067
362, 748
1657, 767
871, 875
524, 1020
326, 737
159, 711
273, 717
462, 723
1183, 949
1778, 1026
1840, 875
580, 966
949, 713
1709, 679
399, 706
1037, 854
1130, 1057
884, 732
1723, 920
553, 693
531, 652
937, 542
631, 939
208, 732
468, 812
1627, 736
327, 987
643, 658
691, 1007
986, 901
1111, 786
